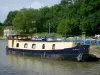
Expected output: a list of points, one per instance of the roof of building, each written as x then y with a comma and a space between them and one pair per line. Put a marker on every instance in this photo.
8, 27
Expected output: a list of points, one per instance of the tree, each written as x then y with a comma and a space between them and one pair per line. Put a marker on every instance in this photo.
24, 21
65, 27
10, 17
89, 13
42, 18
1, 29
66, 2
82, 15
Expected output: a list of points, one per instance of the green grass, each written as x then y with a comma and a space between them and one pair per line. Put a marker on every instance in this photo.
1, 38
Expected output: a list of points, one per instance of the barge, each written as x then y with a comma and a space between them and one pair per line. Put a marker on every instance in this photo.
47, 49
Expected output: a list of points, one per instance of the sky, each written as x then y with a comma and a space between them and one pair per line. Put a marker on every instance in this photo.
10, 5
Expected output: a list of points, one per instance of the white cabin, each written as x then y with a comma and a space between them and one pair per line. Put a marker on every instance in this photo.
27, 43
30, 45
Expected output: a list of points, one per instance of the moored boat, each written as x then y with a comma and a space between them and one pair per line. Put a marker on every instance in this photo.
48, 49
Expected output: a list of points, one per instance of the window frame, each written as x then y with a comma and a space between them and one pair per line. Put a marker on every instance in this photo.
43, 46
25, 45
53, 46
17, 45
33, 46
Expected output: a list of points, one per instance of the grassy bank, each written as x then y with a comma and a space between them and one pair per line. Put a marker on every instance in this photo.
95, 49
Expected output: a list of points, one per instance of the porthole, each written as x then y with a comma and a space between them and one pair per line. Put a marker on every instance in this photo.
43, 46
17, 45
53, 46
33, 46
25, 45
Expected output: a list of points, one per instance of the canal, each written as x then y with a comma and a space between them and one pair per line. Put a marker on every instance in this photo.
11, 64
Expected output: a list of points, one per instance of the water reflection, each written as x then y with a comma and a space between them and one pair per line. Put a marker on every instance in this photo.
35, 65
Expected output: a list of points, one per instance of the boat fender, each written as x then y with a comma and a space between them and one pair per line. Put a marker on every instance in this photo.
79, 57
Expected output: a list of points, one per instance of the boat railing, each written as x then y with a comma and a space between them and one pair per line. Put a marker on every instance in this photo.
20, 37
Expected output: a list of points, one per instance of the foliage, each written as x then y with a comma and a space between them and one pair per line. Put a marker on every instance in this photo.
90, 16
64, 27
66, 18
24, 21
10, 17
1, 29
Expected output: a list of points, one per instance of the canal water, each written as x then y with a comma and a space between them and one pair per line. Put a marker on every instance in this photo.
11, 64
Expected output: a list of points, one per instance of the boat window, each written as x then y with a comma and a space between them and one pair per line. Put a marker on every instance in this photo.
53, 46
43, 46
17, 45
33, 46
25, 45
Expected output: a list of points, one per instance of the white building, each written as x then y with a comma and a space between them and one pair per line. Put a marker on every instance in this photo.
8, 31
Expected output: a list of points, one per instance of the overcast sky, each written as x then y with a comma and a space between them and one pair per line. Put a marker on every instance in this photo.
10, 5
